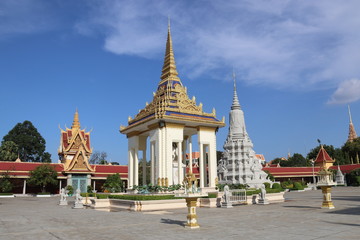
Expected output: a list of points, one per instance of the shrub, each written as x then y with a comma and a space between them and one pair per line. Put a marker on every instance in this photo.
70, 189
89, 189
113, 183
287, 184
298, 186
267, 185
276, 186
5, 184
212, 195
102, 196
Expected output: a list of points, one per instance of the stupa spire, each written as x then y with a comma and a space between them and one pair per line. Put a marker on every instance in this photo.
169, 68
352, 132
235, 103
76, 122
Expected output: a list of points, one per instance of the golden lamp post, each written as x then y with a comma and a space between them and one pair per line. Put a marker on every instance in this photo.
191, 196
326, 182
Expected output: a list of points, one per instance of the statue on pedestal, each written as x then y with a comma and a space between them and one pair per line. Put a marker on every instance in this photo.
226, 197
63, 195
262, 195
78, 198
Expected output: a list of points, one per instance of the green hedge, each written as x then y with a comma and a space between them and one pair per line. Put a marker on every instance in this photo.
6, 194
212, 195
298, 186
143, 197
276, 186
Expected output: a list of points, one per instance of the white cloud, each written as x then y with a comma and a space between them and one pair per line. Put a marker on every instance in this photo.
347, 92
24, 17
287, 44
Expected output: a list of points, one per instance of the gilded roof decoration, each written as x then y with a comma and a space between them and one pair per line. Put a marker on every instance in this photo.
171, 99
75, 149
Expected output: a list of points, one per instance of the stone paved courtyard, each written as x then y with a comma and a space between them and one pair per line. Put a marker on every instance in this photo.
300, 217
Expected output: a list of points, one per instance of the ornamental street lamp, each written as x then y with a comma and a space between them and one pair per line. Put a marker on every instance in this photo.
313, 172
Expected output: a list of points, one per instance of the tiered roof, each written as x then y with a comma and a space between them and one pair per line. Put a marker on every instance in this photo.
323, 157
75, 147
171, 102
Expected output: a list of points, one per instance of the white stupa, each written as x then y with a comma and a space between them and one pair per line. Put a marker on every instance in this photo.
239, 163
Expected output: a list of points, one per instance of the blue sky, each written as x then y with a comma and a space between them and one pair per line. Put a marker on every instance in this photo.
296, 62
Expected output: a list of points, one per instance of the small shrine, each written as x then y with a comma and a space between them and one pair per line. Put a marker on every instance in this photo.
324, 161
239, 163
165, 126
340, 179
74, 153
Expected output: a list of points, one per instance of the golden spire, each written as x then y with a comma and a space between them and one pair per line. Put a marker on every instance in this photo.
169, 68
76, 122
352, 132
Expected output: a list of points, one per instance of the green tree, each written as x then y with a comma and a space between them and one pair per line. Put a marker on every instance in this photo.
297, 160
335, 153
98, 158
8, 151
5, 183
113, 183
43, 176
351, 150
276, 161
31, 145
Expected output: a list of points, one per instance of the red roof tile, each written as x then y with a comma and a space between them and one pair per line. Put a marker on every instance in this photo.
323, 156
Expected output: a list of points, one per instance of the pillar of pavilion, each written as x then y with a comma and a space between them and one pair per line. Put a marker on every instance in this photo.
165, 127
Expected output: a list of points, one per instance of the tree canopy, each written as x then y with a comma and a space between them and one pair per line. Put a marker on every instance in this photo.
98, 158
113, 183
297, 160
351, 151
43, 176
31, 145
8, 151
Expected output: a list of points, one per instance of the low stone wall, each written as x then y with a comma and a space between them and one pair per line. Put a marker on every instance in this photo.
155, 205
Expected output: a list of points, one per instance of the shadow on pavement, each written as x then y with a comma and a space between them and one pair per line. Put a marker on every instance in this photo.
347, 224
346, 211
170, 221
302, 207
349, 198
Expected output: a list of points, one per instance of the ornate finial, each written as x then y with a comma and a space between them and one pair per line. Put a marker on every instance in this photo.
169, 23
169, 67
235, 104
76, 122
352, 132
350, 114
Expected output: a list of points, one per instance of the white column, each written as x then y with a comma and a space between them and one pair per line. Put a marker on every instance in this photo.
69, 180
201, 163
94, 185
144, 168
184, 144
59, 185
190, 154
130, 168
180, 160
152, 159
136, 167
24, 187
